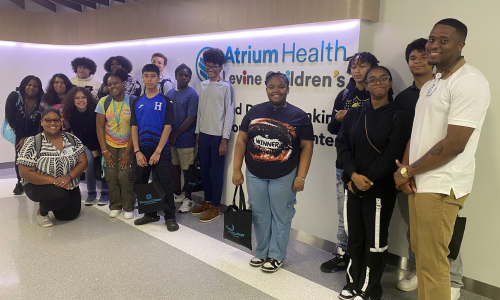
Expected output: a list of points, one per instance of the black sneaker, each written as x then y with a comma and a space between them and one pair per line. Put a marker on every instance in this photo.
18, 190
347, 293
336, 264
271, 265
257, 262
146, 220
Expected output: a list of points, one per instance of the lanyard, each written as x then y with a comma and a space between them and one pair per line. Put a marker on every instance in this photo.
117, 117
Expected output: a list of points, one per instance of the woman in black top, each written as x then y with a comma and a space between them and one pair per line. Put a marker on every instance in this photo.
79, 110
276, 139
58, 87
50, 165
23, 115
370, 140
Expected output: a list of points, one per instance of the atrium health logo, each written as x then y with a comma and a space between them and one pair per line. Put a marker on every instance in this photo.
200, 65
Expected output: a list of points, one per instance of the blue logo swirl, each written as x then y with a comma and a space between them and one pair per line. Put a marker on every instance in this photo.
148, 196
200, 65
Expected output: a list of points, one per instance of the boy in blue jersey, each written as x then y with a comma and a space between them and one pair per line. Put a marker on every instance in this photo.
152, 117
183, 139
213, 128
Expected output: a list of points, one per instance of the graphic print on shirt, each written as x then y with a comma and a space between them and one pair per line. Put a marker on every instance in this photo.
354, 103
273, 141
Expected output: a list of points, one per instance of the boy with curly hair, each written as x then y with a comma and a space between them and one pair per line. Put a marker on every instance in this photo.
84, 69
213, 128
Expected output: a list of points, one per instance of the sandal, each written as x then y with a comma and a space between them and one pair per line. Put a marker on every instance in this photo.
172, 225
146, 219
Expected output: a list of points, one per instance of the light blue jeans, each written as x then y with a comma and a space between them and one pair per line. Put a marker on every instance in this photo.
341, 234
456, 266
272, 203
89, 174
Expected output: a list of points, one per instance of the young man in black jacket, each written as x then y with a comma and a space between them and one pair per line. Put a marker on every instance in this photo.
353, 95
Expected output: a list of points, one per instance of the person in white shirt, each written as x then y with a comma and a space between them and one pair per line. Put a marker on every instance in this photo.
85, 69
438, 168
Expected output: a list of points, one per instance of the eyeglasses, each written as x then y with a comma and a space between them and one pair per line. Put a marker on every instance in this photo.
48, 121
382, 79
212, 67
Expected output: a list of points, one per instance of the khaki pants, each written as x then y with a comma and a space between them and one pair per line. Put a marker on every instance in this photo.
432, 219
120, 187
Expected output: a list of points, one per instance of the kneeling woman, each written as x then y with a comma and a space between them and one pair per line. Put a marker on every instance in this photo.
372, 137
276, 139
50, 165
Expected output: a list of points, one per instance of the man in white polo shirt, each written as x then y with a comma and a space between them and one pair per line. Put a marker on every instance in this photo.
438, 167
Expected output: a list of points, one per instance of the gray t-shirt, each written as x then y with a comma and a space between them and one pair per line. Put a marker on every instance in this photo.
215, 108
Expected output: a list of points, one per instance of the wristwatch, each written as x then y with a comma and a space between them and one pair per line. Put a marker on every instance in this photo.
404, 172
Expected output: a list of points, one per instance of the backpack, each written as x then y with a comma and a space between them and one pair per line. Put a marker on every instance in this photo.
38, 142
109, 98
7, 131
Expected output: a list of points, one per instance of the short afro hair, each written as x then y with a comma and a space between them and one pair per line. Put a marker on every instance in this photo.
363, 57
418, 44
181, 67
459, 27
215, 56
124, 62
151, 68
83, 61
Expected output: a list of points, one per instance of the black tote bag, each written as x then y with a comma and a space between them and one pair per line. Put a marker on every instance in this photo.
99, 168
238, 221
150, 197
193, 179
457, 237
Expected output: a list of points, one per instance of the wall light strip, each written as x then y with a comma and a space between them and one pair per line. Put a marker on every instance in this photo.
241, 34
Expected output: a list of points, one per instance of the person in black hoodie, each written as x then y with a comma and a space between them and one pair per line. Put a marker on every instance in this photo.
23, 115
371, 138
353, 95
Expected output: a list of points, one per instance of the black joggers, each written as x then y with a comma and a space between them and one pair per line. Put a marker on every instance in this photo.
65, 205
367, 227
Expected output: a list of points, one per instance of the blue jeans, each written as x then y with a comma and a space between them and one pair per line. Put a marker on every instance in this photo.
211, 167
341, 234
456, 266
89, 174
272, 203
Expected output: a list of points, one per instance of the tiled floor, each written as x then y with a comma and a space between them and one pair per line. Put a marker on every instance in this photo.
96, 257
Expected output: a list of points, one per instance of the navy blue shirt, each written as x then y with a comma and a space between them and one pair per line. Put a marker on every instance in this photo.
274, 134
185, 104
151, 116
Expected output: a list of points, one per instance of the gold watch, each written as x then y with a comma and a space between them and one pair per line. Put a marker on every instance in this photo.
404, 172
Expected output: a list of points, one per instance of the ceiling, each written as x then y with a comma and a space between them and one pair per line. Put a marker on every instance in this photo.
64, 6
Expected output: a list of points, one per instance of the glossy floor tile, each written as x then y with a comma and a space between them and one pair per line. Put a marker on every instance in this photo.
97, 257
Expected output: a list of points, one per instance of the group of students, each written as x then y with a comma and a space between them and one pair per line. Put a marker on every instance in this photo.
386, 148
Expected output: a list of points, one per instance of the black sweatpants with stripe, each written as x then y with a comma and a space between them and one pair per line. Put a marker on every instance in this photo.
367, 228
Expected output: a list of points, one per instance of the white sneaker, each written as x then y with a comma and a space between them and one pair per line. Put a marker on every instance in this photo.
128, 214
178, 198
455, 293
409, 283
114, 213
44, 221
186, 206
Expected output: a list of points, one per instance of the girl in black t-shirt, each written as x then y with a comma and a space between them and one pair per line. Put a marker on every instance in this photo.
79, 111
276, 139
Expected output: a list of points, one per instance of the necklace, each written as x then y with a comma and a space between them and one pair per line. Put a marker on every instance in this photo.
117, 117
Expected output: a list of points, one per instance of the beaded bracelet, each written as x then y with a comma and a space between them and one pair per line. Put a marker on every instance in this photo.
104, 152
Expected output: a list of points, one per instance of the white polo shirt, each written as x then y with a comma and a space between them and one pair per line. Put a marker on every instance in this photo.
461, 99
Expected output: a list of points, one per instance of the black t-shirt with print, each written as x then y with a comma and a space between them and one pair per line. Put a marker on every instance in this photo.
274, 134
